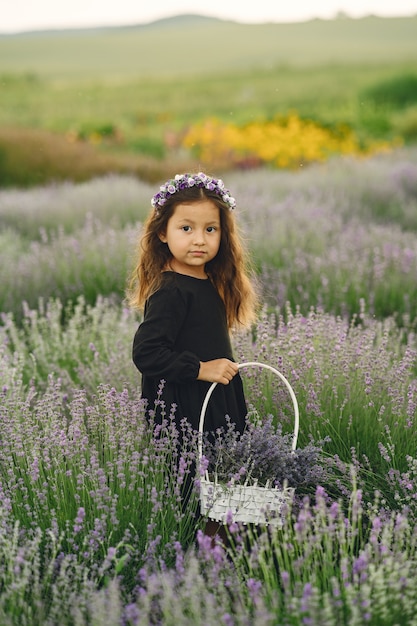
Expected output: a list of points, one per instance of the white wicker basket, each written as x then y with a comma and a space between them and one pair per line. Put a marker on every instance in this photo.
244, 503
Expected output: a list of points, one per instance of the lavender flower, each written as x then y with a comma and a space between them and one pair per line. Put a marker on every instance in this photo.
185, 181
262, 454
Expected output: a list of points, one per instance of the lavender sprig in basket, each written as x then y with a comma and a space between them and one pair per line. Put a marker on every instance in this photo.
260, 498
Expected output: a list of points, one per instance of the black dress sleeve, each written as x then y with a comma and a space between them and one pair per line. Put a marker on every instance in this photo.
154, 352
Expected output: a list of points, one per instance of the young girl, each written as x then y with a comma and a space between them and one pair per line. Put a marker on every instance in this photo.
192, 280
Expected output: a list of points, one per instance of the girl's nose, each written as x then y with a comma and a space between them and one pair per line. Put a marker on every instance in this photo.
199, 238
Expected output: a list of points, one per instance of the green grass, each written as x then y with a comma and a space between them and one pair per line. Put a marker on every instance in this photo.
146, 81
239, 96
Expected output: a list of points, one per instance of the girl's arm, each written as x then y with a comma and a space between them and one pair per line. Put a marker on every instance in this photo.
153, 345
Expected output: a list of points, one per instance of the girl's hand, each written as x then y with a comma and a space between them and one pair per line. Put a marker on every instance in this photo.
217, 371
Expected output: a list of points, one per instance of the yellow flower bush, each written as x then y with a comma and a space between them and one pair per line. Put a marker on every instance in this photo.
284, 142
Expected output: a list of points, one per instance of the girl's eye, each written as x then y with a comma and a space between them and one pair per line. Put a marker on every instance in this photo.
211, 229
186, 229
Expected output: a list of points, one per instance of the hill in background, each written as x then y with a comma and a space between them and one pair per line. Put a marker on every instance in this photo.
196, 45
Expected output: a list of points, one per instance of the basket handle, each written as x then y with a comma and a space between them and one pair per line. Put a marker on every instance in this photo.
241, 366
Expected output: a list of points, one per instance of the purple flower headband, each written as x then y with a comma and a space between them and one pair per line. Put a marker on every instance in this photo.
185, 181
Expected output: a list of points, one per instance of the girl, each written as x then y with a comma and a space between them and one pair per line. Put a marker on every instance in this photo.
192, 280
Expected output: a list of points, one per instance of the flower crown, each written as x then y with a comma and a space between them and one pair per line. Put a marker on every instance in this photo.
185, 181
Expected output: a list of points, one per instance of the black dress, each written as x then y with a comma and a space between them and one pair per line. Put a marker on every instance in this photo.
185, 323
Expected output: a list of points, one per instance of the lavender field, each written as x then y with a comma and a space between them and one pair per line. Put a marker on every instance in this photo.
92, 530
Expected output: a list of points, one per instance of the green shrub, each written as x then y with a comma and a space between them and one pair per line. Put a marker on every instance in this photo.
97, 130
397, 92
151, 146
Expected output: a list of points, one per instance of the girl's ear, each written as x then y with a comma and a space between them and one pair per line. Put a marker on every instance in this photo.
162, 237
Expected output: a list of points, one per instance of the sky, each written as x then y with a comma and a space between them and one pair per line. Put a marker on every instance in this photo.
23, 15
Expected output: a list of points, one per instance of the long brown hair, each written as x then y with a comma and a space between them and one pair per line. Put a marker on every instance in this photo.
229, 271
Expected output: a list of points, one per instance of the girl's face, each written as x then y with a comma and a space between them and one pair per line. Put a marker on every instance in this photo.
193, 237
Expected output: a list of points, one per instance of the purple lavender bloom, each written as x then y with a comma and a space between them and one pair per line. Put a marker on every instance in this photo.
184, 181
263, 454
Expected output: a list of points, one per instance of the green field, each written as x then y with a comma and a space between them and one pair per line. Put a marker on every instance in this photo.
134, 87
